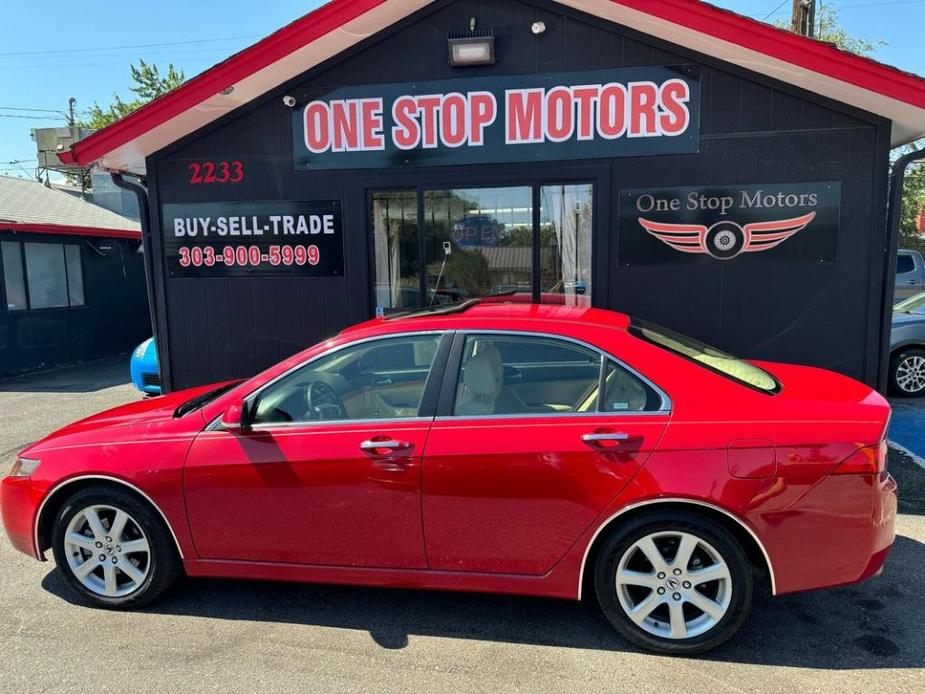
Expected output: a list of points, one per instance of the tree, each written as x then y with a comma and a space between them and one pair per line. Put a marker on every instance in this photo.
913, 199
149, 84
828, 30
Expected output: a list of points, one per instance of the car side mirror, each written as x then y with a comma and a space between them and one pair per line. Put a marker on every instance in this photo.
235, 418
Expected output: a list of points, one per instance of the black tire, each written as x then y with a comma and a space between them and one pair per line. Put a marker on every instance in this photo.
896, 362
162, 561
621, 542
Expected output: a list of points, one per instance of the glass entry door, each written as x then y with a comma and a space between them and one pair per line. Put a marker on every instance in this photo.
441, 246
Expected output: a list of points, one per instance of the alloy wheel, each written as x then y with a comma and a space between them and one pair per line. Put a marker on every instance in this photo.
910, 374
674, 584
107, 551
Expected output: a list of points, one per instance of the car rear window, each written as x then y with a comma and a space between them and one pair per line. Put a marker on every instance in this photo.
711, 358
904, 263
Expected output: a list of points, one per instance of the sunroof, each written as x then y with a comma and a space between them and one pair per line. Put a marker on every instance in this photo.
439, 310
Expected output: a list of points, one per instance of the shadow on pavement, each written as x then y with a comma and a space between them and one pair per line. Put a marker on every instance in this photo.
876, 624
81, 378
910, 476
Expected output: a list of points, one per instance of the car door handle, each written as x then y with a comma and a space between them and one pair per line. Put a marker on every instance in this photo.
911, 281
390, 444
604, 436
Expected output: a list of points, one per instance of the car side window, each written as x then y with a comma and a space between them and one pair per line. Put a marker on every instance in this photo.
522, 375
904, 263
380, 379
626, 392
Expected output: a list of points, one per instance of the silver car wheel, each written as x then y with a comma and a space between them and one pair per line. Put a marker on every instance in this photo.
910, 374
674, 584
107, 551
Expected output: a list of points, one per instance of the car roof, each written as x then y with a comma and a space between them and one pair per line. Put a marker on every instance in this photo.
489, 314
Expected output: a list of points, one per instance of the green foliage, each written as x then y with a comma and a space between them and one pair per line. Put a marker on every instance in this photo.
149, 84
827, 29
913, 200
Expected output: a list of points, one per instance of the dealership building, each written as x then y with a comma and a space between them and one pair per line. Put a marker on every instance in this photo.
666, 158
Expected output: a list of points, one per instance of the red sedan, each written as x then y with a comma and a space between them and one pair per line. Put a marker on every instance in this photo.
543, 450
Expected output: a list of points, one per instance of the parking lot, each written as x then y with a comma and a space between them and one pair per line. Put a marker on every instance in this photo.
247, 637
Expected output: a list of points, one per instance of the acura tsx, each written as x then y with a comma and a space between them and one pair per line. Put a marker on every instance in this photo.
535, 449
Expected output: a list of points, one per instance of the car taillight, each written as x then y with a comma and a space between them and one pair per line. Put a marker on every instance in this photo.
870, 460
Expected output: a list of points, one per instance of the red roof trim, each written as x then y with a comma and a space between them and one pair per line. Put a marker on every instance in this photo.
784, 45
265, 52
66, 230
699, 16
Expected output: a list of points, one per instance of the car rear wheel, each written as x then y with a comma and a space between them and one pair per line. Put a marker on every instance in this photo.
113, 548
907, 373
674, 583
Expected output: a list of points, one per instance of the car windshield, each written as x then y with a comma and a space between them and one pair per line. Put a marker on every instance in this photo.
724, 364
204, 399
914, 304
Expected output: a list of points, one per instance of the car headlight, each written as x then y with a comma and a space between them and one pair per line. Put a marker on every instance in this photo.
142, 348
23, 467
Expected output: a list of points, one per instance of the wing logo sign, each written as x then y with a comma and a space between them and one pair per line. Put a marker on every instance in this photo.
726, 239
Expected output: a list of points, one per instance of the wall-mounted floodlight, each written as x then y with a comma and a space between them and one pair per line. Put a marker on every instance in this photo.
472, 49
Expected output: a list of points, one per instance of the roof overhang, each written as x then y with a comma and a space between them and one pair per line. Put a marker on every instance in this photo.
67, 230
337, 26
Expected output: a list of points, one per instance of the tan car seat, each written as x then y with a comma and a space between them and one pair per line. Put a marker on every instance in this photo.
483, 379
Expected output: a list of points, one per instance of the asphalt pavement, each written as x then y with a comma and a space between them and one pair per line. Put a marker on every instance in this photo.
227, 636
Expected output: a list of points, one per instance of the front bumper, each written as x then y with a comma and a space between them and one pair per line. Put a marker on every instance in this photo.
19, 503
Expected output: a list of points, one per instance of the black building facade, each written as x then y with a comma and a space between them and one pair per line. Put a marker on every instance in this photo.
69, 298
589, 163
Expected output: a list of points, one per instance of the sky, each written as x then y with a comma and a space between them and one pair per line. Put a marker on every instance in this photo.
54, 50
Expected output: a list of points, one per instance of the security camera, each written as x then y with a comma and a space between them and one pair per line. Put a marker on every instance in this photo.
289, 101
538, 27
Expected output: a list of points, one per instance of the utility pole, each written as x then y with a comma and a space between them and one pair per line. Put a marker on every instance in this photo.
803, 18
75, 135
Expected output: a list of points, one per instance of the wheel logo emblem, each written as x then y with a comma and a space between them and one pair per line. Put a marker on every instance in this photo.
726, 239
673, 583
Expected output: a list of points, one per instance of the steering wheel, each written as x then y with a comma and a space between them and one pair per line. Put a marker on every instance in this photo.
324, 403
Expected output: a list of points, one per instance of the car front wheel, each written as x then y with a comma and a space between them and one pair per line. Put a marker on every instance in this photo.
907, 373
674, 583
113, 548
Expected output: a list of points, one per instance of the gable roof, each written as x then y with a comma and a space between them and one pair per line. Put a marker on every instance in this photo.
812, 65
30, 207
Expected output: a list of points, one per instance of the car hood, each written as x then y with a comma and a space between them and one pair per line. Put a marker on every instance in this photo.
903, 318
147, 417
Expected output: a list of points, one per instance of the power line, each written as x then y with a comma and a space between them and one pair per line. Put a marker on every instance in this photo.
20, 108
774, 11
885, 3
122, 48
10, 115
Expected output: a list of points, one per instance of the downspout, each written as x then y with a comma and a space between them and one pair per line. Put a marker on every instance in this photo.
141, 194
893, 216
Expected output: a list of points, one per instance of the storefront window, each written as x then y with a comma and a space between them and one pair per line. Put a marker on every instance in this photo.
482, 242
13, 276
396, 250
479, 242
565, 242
53, 275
